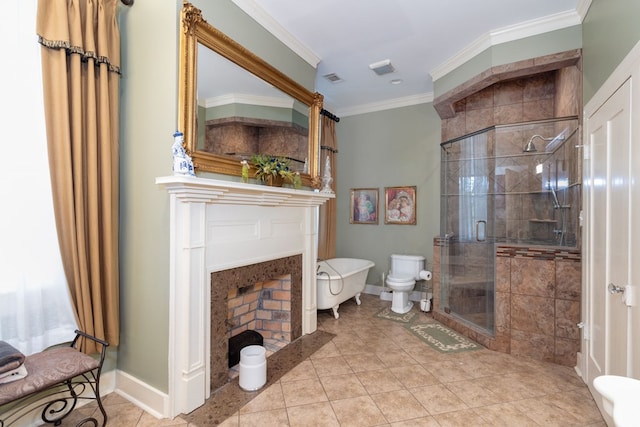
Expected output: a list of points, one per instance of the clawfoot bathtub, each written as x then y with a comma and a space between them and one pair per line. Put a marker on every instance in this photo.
339, 279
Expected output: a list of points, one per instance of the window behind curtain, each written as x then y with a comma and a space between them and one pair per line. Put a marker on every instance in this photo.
35, 308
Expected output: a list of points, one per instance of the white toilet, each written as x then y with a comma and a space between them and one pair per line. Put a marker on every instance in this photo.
405, 270
620, 397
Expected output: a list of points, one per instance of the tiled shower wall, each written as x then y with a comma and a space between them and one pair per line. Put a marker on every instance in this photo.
537, 303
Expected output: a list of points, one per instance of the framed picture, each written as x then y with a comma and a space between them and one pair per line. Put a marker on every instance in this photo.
400, 205
364, 206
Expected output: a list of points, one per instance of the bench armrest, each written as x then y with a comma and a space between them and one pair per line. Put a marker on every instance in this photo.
104, 344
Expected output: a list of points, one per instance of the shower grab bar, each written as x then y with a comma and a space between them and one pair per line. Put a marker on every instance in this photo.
484, 237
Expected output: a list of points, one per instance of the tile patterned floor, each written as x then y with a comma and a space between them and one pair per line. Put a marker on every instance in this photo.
376, 373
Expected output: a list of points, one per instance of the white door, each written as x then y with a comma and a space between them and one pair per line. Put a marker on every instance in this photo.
607, 247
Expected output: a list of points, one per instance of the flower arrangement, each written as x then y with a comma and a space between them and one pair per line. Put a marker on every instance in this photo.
270, 168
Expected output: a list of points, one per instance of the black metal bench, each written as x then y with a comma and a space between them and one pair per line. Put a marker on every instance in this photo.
57, 379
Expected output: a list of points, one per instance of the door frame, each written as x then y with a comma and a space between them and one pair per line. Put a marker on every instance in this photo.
628, 69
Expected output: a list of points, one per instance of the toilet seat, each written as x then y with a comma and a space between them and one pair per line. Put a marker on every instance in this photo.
401, 280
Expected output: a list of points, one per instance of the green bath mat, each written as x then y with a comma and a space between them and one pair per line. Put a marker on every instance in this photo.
386, 313
441, 338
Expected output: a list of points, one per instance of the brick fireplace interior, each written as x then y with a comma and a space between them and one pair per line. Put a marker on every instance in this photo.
266, 297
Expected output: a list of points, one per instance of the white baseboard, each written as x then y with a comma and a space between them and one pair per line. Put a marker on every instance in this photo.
579, 365
142, 395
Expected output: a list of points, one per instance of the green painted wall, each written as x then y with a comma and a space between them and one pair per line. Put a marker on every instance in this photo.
149, 99
398, 147
609, 31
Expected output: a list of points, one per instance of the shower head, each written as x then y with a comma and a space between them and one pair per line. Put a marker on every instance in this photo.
531, 148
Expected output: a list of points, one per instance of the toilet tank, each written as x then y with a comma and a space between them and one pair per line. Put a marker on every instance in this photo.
407, 265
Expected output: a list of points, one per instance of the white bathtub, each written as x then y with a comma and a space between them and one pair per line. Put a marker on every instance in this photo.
340, 279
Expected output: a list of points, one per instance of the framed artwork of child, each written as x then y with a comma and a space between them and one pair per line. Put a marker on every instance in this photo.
400, 205
364, 206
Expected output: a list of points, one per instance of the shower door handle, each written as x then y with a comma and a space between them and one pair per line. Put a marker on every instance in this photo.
484, 230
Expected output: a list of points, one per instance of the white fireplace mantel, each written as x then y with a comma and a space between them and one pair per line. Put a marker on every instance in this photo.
236, 193
216, 225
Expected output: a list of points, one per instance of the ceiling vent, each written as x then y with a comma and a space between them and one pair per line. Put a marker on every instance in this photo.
333, 78
383, 67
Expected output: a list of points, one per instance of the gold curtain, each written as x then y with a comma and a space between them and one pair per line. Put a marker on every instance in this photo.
80, 45
327, 220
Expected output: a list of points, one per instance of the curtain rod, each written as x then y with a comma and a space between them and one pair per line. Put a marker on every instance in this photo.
127, 2
331, 116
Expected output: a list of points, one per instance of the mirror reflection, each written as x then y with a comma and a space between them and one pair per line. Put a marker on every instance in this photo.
242, 115
233, 105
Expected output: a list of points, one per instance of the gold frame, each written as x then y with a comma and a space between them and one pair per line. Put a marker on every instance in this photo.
355, 194
194, 30
391, 194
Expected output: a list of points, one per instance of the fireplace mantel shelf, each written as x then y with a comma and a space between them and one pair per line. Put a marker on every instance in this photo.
206, 190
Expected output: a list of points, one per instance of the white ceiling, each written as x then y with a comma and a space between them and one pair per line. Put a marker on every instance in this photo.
422, 38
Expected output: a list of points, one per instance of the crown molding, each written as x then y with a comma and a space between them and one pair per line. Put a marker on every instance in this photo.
582, 8
423, 98
506, 34
263, 18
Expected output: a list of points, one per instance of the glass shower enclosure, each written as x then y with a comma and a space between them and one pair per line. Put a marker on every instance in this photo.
505, 185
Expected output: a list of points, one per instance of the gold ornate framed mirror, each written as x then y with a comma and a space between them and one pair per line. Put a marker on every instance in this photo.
234, 106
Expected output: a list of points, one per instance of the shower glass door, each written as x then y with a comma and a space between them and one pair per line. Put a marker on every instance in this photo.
467, 258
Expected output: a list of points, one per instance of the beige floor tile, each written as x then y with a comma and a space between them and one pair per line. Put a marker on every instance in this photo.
274, 418
358, 411
270, 398
330, 366
504, 415
124, 415
232, 421
447, 371
364, 362
395, 358
343, 387
579, 403
545, 412
417, 422
353, 346
313, 415
303, 371
327, 350
303, 392
473, 393
379, 381
148, 420
465, 417
399, 405
413, 376
507, 388
437, 399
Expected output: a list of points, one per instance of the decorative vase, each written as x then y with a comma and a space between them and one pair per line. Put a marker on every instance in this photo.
274, 180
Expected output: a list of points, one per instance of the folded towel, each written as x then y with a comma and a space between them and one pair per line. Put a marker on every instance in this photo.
10, 357
13, 375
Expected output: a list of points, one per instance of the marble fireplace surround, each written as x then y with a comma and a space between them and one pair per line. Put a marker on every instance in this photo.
235, 278
218, 225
